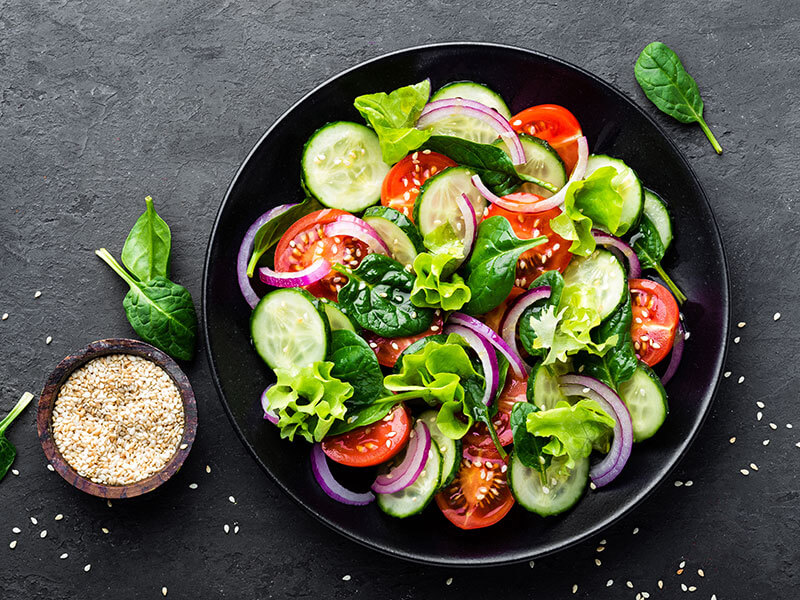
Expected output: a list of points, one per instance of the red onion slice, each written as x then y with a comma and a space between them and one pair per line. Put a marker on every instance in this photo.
246, 249
607, 469
268, 414
334, 489
514, 360
606, 239
508, 328
488, 358
348, 225
470, 222
441, 109
303, 277
406, 473
677, 353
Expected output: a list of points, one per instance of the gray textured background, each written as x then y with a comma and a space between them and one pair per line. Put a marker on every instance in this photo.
105, 102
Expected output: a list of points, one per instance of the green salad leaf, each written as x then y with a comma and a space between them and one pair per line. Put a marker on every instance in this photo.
146, 252
666, 83
492, 266
650, 249
572, 430
528, 447
7, 450
309, 401
431, 290
393, 117
619, 363
355, 362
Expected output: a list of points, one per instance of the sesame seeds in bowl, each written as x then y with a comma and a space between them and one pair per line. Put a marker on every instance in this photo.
117, 419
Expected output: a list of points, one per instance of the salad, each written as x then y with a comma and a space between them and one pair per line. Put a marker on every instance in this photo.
457, 313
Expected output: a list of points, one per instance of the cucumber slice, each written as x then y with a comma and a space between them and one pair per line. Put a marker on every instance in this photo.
336, 318
448, 448
397, 231
600, 278
287, 330
436, 213
466, 127
545, 389
470, 90
560, 492
646, 400
415, 497
626, 183
343, 166
543, 163
656, 210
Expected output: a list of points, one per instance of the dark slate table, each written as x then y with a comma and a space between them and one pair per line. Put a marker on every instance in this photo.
105, 102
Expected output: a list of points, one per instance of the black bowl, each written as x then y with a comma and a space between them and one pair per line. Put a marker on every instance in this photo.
613, 124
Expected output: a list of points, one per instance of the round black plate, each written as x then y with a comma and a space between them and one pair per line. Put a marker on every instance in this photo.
613, 124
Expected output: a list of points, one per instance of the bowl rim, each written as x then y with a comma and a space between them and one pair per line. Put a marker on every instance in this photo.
663, 471
61, 373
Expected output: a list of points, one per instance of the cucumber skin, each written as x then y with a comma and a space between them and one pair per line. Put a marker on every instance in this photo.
429, 183
539, 512
506, 113
403, 222
657, 381
427, 501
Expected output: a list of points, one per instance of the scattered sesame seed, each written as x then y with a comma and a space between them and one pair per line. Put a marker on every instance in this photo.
226, 528
15, 472
737, 339
678, 483
37, 294
531, 563
788, 426
683, 587
5, 316
726, 374
108, 503
34, 520
43, 533
754, 466
449, 581
346, 578
208, 468
773, 426
58, 517
776, 316
87, 567
701, 573
689, 483
744, 471
683, 564
679, 572
692, 588
597, 562
63, 556
609, 583
164, 591
741, 324
232, 500
759, 415
16, 530
235, 529
660, 584
741, 379
48, 339
592, 485
50, 468
732, 440
13, 544
760, 404
600, 548
635, 530
104, 530
192, 486
629, 584
603, 542
575, 588
765, 443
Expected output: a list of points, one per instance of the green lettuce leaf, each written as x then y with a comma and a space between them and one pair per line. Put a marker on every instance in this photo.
431, 290
572, 429
393, 117
308, 401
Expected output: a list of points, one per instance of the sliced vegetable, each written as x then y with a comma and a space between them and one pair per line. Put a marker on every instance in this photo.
329, 485
553, 493
481, 346
656, 210
675, 358
646, 400
449, 448
511, 320
402, 184
474, 91
544, 173
304, 277
599, 280
624, 182
399, 477
655, 320
388, 350
414, 498
543, 388
554, 124
336, 318
515, 362
397, 231
609, 241
371, 444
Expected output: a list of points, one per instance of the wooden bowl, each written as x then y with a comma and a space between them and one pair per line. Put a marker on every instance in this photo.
80, 358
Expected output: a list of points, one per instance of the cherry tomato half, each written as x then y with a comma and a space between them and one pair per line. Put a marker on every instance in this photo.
388, 350
554, 124
371, 444
401, 184
305, 241
655, 320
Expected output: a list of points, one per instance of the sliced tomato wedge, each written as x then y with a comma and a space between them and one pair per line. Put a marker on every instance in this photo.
401, 184
477, 439
552, 255
655, 320
305, 241
479, 495
554, 124
388, 350
371, 444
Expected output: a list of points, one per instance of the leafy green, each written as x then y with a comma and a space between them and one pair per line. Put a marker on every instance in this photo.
7, 450
378, 297
492, 266
430, 288
308, 401
271, 231
393, 117
527, 335
160, 311
146, 252
650, 249
363, 415
490, 162
572, 429
528, 447
667, 84
619, 363
355, 362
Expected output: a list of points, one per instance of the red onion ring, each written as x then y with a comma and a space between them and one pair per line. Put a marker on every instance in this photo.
677, 353
407, 472
268, 414
334, 489
470, 222
508, 328
488, 358
441, 109
514, 360
348, 225
608, 240
607, 469
246, 248
303, 277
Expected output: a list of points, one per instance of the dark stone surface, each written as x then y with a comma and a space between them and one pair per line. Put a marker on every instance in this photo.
105, 102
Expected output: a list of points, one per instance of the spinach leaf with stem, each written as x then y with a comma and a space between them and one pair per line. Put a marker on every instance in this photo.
667, 84
146, 252
355, 362
160, 311
7, 450
650, 249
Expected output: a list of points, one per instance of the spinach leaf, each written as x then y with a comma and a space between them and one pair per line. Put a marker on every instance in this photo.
528, 447
7, 450
393, 117
271, 231
146, 252
649, 248
355, 362
667, 84
619, 363
431, 289
478, 411
492, 266
160, 311
490, 162
378, 297
363, 415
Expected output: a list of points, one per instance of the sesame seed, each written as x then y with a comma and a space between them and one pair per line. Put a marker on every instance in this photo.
208, 468
635, 530
183, 446
236, 529
231, 499
683, 587
737, 339
765, 442
34, 520
531, 563
37, 294
449, 581
759, 415
683, 564
575, 588
741, 379
773, 426
744, 471
43, 533
87, 567
226, 528
678, 483
797, 444
592, 485
732, 440
192, 486
5, 316
701, 573
16, 530
50, 468
741, 324
689, 483
629, 584
776, 316
48, 340
346, 578
660, 584
788, 426
754, 466
609, 583
64, 556
726, 374
760, 404
164, 591
600, 548
597, 562
13, 544
104, 530
108, 503
15, 472
692, 588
